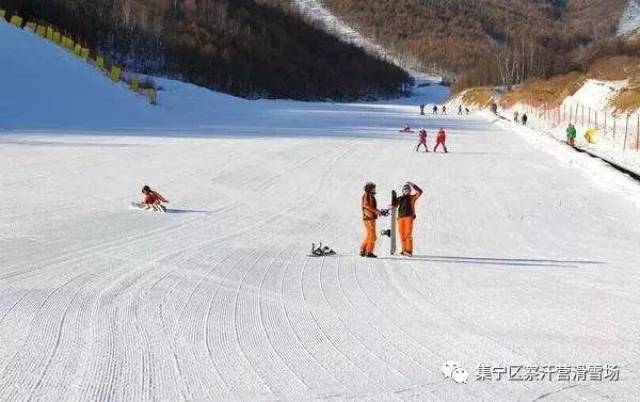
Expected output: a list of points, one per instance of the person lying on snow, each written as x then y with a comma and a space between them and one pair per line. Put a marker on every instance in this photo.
152, 200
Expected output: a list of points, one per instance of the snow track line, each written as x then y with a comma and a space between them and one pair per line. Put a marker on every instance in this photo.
229, 341
26, 371
296, 339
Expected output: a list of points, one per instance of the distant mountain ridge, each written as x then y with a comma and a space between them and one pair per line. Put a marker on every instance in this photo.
483, 42
243, 47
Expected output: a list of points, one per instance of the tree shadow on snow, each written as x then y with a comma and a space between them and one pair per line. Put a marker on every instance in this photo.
515, 262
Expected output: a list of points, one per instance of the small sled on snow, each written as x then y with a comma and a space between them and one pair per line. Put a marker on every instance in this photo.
321, 251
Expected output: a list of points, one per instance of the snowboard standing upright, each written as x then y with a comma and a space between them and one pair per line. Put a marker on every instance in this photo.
391, 233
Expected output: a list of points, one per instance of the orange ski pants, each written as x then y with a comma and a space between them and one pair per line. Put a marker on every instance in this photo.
369, 242
405, 227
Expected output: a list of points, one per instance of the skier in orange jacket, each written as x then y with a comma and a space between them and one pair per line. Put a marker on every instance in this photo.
370, 213
406, 205
152, 200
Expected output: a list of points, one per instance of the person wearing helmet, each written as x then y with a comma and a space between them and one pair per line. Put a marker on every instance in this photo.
422, 140
441, 139
153, 200
406, 205
370, 213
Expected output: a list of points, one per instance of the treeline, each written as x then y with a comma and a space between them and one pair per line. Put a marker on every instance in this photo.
486, 42
242, 47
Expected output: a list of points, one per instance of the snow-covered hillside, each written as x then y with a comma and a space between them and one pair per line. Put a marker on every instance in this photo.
316, 12
630, 21
526, 253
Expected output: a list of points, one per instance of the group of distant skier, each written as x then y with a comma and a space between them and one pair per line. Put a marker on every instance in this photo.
443, 109
441, 139
520, 119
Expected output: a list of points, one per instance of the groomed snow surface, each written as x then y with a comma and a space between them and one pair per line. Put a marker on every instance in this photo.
523, 256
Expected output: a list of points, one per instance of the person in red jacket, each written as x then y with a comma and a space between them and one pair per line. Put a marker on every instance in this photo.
370, 213
441, 139
406, 205
152, 200
422, 140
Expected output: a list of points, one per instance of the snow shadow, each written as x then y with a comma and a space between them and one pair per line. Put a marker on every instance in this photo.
188, 211
513, 262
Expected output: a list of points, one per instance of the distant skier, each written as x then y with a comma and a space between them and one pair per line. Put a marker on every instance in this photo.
422, 140
460, 110
422, 110
406, 129
406, 205
524, 119
466, 110
444, 109
441, 139
571, 135
370, 213
152, 200
435, 109
516, 116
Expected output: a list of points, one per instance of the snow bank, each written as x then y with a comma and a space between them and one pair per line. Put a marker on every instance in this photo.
315, 11
596, 94
46, 86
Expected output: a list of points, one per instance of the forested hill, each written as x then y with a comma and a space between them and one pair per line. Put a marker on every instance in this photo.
484, 42
243, 47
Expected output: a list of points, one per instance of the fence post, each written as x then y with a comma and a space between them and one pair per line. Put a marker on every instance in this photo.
626, 132
596, 112
589, 122
570, 113
638, 134
582, 120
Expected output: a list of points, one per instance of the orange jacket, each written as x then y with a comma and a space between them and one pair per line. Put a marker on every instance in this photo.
369, 207
154, 198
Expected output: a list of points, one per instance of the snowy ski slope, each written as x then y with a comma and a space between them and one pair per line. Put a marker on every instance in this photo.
526, 253
630, 20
